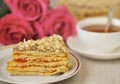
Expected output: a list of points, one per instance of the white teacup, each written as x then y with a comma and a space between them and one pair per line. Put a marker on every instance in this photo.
95, 41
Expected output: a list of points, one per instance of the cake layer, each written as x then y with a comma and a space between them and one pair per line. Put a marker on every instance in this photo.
41, 58
18, 73
38, 53
37, 69
50, 64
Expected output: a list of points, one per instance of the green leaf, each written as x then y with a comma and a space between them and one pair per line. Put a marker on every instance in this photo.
3, 9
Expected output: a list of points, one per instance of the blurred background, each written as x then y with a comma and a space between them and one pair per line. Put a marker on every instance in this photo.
80, 8
90, 8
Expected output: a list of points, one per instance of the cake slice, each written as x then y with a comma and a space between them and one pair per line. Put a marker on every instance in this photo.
47, 56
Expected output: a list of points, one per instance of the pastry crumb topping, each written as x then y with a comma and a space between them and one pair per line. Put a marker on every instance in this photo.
52, 43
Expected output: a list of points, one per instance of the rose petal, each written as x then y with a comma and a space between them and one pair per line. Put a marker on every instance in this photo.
39, 30
60, 21
29, 9
14, 29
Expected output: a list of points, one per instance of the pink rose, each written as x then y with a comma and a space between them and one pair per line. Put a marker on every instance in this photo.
14, 29
47, 2
61, 22
29, 9
39, 30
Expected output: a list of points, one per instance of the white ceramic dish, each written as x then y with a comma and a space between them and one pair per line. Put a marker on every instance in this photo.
4, 76
75, 44
96, 41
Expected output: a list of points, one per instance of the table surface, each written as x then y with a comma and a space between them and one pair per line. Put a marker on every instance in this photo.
94, 72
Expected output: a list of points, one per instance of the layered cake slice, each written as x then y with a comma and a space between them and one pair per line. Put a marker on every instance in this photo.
47, 56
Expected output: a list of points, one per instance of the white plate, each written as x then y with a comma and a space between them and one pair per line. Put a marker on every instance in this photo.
4, 76
75, 44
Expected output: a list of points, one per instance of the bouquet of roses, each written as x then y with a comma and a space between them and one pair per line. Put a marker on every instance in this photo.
33, 19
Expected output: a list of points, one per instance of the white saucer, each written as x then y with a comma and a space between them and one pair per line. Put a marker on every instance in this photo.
75, 44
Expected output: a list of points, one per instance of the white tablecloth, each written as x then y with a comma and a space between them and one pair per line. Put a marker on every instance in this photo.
95, 72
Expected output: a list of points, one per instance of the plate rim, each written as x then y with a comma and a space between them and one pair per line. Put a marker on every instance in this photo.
101, 56
78, 67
